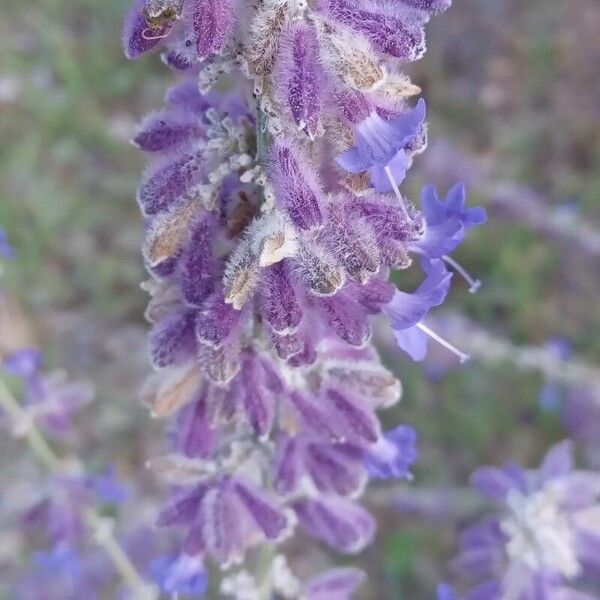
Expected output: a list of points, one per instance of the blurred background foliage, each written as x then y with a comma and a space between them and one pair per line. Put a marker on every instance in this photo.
513, 90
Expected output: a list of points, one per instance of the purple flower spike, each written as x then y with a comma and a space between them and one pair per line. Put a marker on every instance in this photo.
447, 222
380, 144
297, 189
393, 454
269, 264
405, 311
299, 76
337, 584
183, 574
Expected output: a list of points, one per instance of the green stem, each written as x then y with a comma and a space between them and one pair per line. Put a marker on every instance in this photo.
263, 569
100, 528
36, 441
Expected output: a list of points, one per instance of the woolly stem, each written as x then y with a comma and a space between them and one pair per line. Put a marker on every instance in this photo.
100, 528
263, 138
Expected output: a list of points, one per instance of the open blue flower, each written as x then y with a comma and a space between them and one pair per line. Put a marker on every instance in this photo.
393, 454
447, 221
381, 144
406, 311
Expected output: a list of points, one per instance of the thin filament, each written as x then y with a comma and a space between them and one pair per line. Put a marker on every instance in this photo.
474, 284
388, 172
440, 340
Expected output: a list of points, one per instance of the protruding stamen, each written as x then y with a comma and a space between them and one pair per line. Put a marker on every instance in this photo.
474, 284
390, 176
440, 340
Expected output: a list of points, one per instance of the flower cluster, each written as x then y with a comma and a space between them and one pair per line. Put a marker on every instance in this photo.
56, 518
50, 400
58, 512
545, 540
273, 217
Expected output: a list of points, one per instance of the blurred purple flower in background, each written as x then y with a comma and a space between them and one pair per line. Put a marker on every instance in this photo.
6, 250
48, 398
184, 574
545, 540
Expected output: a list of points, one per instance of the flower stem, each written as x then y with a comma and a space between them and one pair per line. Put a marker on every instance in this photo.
38, 444
263, 138
394, 185
100, 527
263, 568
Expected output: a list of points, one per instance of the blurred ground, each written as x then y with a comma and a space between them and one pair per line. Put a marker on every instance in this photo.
513, 90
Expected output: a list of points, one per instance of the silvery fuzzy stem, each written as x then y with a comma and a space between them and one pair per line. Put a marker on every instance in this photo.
435, 503
523, 204
490, 348
263, 138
